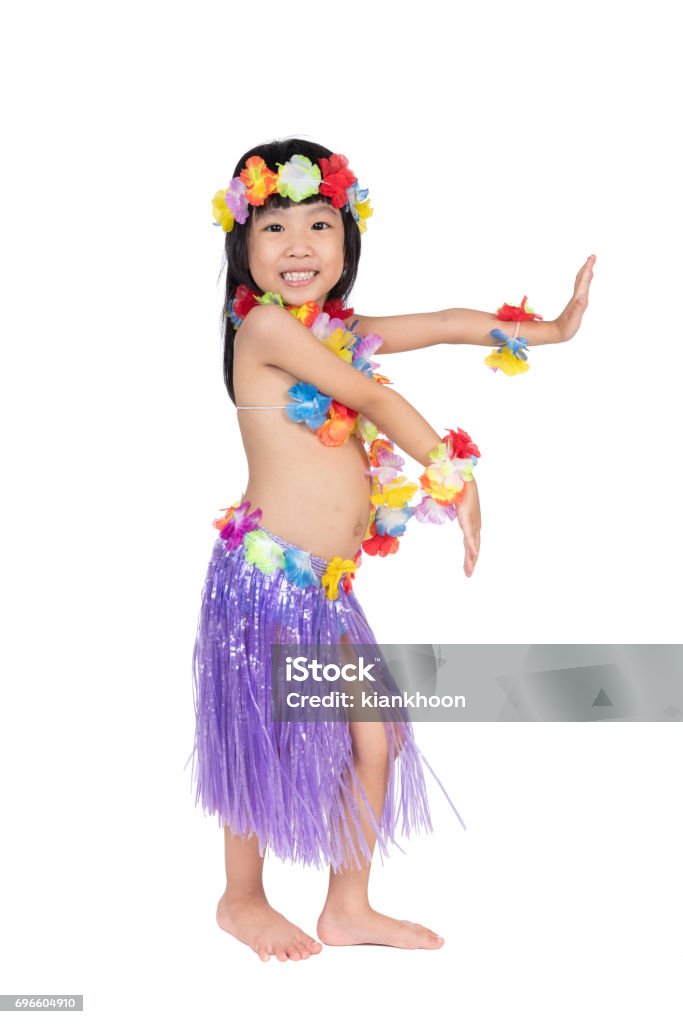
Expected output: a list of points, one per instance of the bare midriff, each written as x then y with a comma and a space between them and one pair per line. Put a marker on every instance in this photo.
314, 496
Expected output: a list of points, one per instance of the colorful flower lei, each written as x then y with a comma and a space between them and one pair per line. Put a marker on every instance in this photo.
239, 526
296, 180
510, 356
443, 480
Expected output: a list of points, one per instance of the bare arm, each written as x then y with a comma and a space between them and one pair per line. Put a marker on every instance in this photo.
472, 326
280, 340
448, 327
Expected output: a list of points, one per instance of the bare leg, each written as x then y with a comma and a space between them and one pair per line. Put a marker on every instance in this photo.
347, 917
244, 911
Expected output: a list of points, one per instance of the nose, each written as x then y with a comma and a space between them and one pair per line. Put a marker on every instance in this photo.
299, 243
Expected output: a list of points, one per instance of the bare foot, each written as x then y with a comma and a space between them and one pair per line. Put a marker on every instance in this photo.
253, 921
367, 926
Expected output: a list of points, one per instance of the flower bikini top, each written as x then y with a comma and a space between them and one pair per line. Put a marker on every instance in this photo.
443, 482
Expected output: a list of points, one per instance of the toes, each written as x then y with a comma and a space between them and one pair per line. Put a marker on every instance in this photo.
263, 954
279, 951
426, 933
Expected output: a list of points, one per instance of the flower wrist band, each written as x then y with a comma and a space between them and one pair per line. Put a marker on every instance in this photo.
445, 478
510, 356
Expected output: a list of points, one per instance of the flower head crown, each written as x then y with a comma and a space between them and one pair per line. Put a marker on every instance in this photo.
296, 180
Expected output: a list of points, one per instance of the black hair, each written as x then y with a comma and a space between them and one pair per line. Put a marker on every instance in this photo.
278, 151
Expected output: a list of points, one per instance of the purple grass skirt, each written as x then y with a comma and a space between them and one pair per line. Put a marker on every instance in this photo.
288, 783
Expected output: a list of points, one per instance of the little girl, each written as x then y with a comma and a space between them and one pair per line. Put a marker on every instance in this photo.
325, 487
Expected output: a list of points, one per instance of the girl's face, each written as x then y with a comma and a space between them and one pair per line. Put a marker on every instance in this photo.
306, 241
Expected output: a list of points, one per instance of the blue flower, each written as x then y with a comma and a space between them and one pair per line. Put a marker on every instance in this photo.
392, 521
516, 345
236, 320
298, 568
364, 365
309, 405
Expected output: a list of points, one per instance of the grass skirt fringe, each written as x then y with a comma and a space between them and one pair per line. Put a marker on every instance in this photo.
291, 784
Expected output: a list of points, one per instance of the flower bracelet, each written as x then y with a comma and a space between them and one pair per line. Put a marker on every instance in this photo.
444, 479
510, 355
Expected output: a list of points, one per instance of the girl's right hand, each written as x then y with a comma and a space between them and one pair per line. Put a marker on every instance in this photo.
469, 517
569, 320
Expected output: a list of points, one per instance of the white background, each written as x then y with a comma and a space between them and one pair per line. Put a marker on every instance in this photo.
502, 144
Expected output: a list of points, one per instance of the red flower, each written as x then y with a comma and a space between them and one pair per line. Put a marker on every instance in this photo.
459, 444
377, 545
347, 582
337, 177
244, 301
517, 313
335, 308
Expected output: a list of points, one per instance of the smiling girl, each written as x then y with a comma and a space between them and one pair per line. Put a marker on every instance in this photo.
319, 424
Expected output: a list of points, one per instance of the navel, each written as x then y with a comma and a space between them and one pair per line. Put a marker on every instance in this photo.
359, 528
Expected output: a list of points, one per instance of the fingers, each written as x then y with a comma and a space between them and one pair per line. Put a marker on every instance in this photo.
586, 271
471, 553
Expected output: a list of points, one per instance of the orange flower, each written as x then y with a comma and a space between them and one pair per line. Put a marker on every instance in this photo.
339, 424
221, 521
306, 313
260, 182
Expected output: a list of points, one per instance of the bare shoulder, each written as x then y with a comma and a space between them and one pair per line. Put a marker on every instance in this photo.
255, 379
272, 334
260, 321
257, 329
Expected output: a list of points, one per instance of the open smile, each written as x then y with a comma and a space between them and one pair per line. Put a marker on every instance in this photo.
296, 278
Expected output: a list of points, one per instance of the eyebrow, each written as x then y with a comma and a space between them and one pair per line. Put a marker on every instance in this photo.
317, 208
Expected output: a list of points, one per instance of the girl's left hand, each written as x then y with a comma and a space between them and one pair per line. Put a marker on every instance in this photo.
569, 320
469, 517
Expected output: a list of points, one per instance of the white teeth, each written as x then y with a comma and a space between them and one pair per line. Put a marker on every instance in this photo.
299, 275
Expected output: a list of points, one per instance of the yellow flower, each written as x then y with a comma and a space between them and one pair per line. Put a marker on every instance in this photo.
364, 210
395, 494
340, 342
337, 568
507, 362
365, 429
439, 453
222, 214
368, 532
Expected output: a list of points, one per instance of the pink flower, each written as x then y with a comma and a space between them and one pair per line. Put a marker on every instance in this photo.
240, 522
